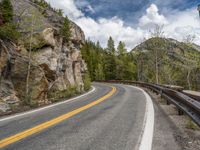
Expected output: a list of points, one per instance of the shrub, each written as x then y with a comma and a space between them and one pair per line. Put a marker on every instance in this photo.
55, 95
86, 81
9, 31
37, 42
6, 10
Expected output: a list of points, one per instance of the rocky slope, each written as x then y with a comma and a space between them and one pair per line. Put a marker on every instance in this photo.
57, 67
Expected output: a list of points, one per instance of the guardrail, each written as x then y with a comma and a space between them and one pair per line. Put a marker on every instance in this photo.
184, 103
197, 98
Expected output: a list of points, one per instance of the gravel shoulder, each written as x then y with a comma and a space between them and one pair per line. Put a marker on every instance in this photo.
173, 131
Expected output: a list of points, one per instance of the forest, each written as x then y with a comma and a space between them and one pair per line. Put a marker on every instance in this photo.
109, 63
156, 60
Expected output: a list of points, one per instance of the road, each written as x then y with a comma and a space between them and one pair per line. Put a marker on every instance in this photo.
107, 118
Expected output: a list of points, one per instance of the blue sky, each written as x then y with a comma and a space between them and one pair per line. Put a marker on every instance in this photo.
130, 10
131, 21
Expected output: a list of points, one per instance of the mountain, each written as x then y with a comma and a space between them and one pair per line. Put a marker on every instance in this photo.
168, 61
57, 69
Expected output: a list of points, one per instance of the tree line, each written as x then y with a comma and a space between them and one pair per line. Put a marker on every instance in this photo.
109, 63
156, 60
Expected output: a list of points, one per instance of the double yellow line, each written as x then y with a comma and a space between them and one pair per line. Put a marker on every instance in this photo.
45, 125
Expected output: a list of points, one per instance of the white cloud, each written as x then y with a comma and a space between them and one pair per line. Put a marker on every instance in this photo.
101, 29
184, 23
177, 24
152, 17
69, 8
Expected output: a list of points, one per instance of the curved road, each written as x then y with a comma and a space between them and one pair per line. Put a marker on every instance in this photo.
107, 118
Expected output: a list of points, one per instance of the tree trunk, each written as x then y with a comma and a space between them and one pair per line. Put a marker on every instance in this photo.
29, 60
188, 79
157, 73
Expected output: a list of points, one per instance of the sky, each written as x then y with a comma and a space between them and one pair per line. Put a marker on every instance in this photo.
132, 21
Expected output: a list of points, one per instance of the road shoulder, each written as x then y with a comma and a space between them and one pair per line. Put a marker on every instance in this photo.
171, 130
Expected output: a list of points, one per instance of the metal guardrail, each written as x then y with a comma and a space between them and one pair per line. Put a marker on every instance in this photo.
197, 98
183, 102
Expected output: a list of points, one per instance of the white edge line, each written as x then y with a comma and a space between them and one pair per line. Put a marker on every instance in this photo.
146, 138
47, 107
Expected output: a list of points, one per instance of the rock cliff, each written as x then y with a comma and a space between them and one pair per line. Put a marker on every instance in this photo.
57, 67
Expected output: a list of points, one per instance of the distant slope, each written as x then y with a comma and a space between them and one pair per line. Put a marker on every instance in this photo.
174, 62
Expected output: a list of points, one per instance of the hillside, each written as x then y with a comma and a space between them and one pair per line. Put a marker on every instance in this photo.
56, 68
167, 61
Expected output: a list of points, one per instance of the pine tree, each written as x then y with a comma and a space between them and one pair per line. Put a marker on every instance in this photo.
7, 28
106, 65
65, 30
121, 50
111, 46
110, 61
99, 73
60, 12
7, 11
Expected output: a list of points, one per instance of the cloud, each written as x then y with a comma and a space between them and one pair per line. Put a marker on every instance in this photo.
152, 17
101, 29
69, 8
178, 24
182, 24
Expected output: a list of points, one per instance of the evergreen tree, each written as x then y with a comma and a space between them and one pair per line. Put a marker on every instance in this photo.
111, 46
60, 12
65, 30
99, 72
121, 50
110, 61
7, 11
8, 31
106, 65
7, 28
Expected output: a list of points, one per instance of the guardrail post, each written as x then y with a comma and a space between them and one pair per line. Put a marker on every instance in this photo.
167, 102
180, 112
160, 92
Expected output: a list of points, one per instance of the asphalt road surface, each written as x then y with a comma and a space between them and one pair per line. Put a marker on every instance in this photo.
110, 117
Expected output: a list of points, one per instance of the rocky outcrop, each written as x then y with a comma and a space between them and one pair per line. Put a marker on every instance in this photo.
7, 92
56, 65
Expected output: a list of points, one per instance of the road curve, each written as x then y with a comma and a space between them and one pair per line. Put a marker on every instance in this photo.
111, 118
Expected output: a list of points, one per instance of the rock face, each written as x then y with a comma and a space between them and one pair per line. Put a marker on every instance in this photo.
56, 65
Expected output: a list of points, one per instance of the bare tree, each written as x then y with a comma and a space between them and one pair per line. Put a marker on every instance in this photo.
190, 63
156, 33
30, 22
29, 55
189, 38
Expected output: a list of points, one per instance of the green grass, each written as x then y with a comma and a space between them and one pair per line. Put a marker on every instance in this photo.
55, 96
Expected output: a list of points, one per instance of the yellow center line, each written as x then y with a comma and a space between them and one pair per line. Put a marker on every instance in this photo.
45, 125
